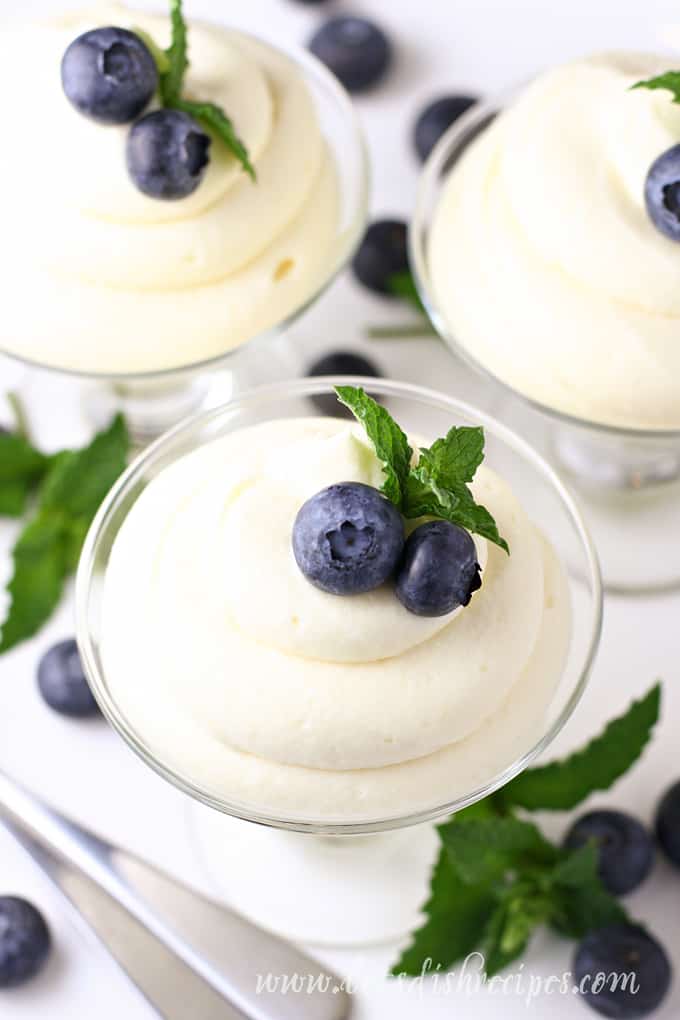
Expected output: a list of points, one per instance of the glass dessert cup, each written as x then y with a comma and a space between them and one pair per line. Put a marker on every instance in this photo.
329, 878
628, 479
153, 401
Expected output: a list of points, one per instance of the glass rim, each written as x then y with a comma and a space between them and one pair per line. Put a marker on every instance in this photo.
312, 68
435, 169
305, 388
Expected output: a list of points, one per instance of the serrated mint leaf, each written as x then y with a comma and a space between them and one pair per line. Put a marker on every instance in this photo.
483, 849
561, 785
456, 917
455, 458
37, 581
215, 120
48, 548
172, 80
669, 81
582, 903
390, 443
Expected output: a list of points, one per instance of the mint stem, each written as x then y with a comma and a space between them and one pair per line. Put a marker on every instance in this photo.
20, 417
400, 332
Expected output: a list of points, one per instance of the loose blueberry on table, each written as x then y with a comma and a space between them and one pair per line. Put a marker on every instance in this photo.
382, 254
436, 119
24, 941
167, 154
668, 824
339, 363
355, 49
619, 950
62, 682
624, 847
109, 74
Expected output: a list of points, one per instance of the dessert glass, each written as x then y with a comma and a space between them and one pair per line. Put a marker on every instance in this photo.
154, 401
324, 878
628, 478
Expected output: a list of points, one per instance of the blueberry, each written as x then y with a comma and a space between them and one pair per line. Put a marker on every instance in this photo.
109, 74
24, 941
668, 824
354, 49
436, 119
167, 153
622, 972
339, 363
382, 254
439, 569
348, 538
662, 193
625, 848
62, 682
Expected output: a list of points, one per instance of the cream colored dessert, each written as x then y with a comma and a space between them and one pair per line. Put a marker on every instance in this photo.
543, 260
99, 277
263, 690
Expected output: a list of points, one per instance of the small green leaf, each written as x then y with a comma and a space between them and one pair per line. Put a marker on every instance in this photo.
13, 498
391, 444
177, 55
582, 903
19, 460
455, 458
79, 480
484, 849
215, 120
402, 285
37, 581
456, 915
670, 81
524, 906
561, 785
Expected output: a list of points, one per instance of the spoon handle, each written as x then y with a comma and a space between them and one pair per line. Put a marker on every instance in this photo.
187, 955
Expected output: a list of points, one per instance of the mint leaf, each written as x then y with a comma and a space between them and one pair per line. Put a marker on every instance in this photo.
455, 458
38, 579
670, 81
215, 120
562, 785
13, 498
582, 903
402, 285
484, 849
21, 467
391, 444
48, 548
457, 914
524, 906
177, 55
425, 497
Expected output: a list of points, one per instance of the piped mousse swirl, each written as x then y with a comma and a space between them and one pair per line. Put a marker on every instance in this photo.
278, 695
103, 278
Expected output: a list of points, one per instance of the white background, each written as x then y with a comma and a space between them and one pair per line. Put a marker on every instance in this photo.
83, 768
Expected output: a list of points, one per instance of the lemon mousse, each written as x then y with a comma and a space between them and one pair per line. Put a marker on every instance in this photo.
282, 698
102, 277
544, 261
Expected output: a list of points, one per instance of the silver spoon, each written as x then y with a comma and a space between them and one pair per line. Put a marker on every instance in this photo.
187, 955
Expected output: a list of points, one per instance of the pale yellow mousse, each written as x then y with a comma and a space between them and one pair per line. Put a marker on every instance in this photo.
265, 691
543, 260
99, 277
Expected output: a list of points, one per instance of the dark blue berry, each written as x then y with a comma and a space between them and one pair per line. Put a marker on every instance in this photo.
354, 49
662, 193
62, 682
109, 74
167, 154
624, 847
348, 538
339, 363
439, 569
24, 941
616, 952
436, 119
382, 254
668, 824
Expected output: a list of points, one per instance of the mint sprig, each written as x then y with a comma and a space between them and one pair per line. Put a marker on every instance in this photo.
71, 486
669, 81
172, 66
498, 878
437, 485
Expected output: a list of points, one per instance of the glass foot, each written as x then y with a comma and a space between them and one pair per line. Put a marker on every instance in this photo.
319, 890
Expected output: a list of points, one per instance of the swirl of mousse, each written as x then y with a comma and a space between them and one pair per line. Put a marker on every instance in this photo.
230, 665
106, 279
542, 257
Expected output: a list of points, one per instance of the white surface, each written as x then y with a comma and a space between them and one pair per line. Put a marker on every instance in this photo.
85, 769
